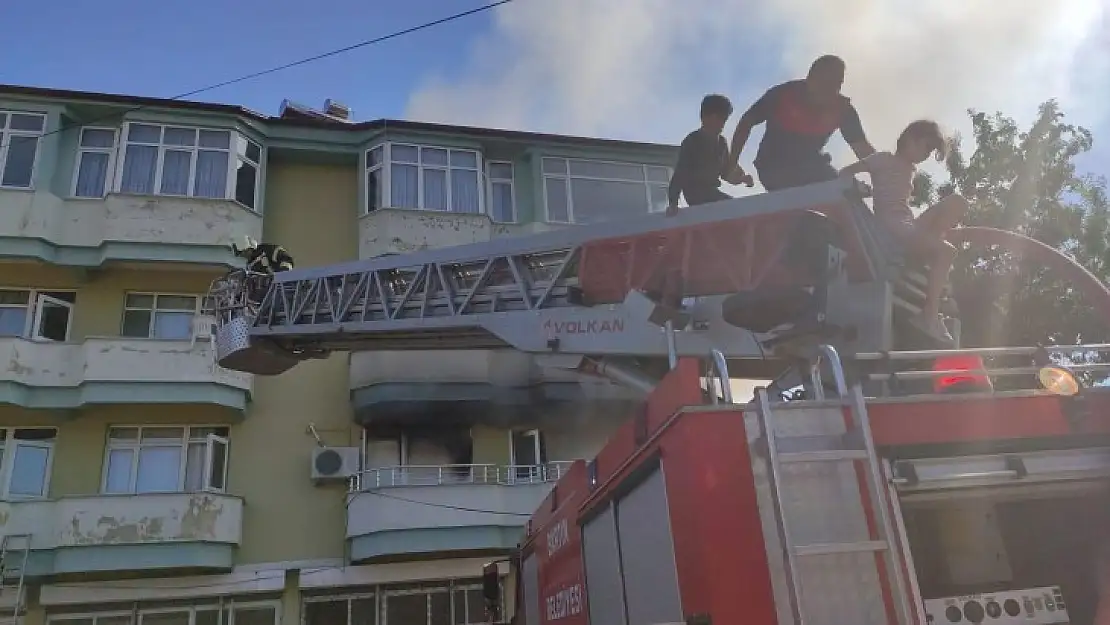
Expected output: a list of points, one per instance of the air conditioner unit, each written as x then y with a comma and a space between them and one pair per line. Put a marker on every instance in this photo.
334, 463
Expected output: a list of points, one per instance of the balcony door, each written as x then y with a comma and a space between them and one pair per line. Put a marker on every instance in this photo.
528, 455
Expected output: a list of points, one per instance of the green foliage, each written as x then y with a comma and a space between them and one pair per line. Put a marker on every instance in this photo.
1026, 181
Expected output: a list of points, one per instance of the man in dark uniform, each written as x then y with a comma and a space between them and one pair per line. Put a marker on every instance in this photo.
801, 115
265, 257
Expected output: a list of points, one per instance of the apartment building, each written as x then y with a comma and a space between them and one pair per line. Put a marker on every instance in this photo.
140, 483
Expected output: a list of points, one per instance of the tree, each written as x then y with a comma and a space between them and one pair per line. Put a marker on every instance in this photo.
1026, 181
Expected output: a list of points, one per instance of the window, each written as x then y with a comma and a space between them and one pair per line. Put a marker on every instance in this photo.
529, 453
37, 315
422, 177
19, 147
437, 603
165, 459
586, 192
235, 612
95, 157
189, 162
26, 456
502, 200
159, 316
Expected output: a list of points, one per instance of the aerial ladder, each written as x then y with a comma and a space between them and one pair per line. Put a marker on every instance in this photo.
787, 286
761, 279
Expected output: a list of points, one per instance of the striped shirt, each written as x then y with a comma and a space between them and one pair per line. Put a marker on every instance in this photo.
892, 185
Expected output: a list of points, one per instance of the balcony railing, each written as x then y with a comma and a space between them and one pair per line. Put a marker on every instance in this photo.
457, 474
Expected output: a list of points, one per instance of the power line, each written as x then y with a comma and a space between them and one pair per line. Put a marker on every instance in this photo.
431, 504
272, 70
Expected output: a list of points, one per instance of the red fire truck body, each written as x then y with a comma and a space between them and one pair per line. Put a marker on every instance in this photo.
667, 525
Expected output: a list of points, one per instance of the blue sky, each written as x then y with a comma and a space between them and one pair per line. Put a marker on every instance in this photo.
624, 68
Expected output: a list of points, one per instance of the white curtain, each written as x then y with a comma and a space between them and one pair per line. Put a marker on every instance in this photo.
175, 172
435, 189
404, 188
138, 169
501, 201
92, 172
211, 174
464, 191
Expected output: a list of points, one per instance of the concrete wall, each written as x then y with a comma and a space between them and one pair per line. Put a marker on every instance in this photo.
125, 519
369, 514
123, 218
106, 359
310, 210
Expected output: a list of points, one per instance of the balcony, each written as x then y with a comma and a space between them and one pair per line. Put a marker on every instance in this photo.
68, 376
121, 228
423, 509
400, 231
150, 532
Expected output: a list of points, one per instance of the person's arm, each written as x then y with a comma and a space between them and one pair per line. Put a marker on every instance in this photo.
851, 128
858, 167
754, 116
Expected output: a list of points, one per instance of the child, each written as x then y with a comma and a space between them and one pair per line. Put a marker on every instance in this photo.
703, 159
892, 178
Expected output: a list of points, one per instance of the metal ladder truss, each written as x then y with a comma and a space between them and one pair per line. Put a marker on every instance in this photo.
833, 524
448, 288
413, 296
15, 552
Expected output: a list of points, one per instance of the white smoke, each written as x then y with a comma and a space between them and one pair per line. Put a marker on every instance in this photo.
636, 69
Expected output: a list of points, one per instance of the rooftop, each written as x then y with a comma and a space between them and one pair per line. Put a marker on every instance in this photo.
334, 116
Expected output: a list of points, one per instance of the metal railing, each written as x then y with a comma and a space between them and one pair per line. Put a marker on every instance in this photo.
459, 474
1091, 361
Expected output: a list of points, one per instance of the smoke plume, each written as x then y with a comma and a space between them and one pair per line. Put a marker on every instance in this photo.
636, 69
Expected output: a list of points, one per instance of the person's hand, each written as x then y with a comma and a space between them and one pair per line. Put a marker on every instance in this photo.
672, 210
739, 176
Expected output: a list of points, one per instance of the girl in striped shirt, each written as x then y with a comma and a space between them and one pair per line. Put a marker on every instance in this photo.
892, 185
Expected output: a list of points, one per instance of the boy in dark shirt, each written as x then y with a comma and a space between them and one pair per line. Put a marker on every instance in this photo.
703, 159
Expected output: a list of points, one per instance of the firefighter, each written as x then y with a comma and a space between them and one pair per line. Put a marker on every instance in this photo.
263, 258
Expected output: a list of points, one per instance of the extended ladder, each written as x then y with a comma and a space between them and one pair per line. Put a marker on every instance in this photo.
15, 551
833, 525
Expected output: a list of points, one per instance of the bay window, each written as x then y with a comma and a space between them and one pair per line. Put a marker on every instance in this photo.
189, 162
165, 459
585, 191
37, 315
20, 134
423, 177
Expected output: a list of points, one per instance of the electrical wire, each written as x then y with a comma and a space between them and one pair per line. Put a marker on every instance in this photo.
279, 68
430, 504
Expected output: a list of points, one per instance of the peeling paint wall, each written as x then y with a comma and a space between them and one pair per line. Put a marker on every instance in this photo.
125, 520
60, 365
401, 231
124, 218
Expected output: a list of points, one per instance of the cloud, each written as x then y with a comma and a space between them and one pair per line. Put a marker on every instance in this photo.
636, 69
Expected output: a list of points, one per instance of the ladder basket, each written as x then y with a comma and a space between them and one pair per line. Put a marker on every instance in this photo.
235, 350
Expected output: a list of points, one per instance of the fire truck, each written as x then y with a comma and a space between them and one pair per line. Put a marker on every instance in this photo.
876, 477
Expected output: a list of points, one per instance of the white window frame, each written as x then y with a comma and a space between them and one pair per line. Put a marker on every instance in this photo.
9, 445
386, 168
197, 308
241, 157
566, 177
81, 151
5, 142
232, 160
228, 606
36, 299
210, 440
510, 181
